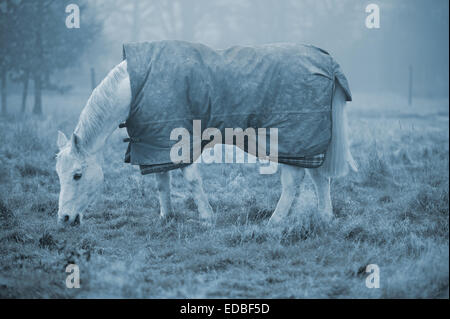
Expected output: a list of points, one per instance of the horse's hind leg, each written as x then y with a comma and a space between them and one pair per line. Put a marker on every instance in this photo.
291, 178
322, 185
195, 185
163, 186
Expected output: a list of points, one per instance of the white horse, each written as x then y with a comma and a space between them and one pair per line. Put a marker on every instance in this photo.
79, 159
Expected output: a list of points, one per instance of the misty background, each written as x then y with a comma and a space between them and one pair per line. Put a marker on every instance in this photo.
39, 55
394, 212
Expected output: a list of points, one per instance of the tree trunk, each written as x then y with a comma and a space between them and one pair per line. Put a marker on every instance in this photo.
4, 77
37, 73
37, 109
25, 91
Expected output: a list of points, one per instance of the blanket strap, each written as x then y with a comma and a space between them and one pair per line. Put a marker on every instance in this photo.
131, 139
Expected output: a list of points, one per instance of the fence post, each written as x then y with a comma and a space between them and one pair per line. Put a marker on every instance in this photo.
410, 85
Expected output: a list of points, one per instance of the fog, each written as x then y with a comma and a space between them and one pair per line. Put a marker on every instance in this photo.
385, 226
413, 34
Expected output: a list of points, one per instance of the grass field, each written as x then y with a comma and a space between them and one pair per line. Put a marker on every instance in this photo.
394, 213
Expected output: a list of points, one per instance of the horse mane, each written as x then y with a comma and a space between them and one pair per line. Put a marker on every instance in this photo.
98, 109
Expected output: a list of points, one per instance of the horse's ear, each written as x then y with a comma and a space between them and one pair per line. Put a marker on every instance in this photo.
77, 148
62, 140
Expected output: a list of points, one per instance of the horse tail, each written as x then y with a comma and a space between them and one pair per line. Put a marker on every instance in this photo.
338, 158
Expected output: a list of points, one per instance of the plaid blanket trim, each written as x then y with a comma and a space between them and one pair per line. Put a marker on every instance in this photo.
306, 162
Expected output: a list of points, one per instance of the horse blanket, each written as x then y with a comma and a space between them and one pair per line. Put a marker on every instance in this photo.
285, 86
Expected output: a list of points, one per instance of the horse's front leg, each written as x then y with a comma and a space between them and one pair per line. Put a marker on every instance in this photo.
195, 185
163, 186
291, 178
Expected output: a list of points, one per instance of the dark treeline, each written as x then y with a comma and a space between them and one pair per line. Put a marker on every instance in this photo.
35, 42
36, 45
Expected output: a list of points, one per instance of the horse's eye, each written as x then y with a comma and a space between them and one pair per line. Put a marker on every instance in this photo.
77, 176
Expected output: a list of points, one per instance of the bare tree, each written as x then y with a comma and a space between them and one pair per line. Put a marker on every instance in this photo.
43, 44
6, 43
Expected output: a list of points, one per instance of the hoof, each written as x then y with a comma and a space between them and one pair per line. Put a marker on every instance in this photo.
202, 222
274, 220
326, 216
170, 217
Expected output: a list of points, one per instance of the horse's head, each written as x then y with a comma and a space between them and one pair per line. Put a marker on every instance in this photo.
80, 176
